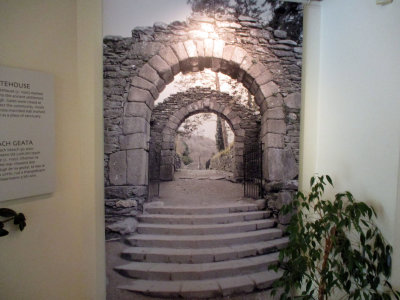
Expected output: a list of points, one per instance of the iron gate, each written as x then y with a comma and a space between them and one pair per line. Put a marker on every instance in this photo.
253, 173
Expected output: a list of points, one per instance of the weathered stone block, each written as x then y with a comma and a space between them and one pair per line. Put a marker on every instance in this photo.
281, 164
266, 91
162, 68
200, 48
208, 48
180, 52
139, 95
274, 101
168, 55
260, 80
124, 192
238, 55
134, 141
135, 125
148, 73
254, 71
275, 113
137, 109
273, 140
276, 126
293, 101
191, 49
218, 48
145, 85
280, 34
167, 172
284, 198
137, 162
117, 166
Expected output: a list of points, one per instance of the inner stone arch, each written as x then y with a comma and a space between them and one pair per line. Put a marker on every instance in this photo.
169, 115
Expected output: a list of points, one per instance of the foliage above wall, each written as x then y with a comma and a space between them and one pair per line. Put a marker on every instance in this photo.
8, 215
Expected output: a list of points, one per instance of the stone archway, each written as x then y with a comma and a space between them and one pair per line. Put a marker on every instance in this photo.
137, 68
168, 116
190, 56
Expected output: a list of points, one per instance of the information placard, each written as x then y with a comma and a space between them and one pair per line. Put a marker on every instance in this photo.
26, 133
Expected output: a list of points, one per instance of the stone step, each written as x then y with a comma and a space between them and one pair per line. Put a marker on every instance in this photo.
205, 288
183, 229
173, 255
202, 271
203, 219
202, 241
201, 210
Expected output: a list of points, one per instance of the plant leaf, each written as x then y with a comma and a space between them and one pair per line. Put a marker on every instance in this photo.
7, 213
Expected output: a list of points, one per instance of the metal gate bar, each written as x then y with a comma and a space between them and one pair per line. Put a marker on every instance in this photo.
253, 173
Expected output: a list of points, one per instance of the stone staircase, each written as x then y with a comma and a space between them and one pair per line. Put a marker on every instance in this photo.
202, 252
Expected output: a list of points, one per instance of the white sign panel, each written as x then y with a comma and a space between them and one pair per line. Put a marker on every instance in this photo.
26, 133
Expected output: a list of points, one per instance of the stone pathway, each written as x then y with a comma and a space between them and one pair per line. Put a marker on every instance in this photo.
201, 239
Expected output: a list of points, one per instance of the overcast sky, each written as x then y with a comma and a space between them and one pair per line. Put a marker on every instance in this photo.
121, 16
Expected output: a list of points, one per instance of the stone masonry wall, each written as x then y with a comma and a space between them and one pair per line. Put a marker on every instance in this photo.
133, 72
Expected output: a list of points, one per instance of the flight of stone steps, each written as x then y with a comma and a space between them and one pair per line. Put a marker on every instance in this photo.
202, 252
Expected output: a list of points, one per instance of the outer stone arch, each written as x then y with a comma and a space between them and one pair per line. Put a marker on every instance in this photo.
191, 56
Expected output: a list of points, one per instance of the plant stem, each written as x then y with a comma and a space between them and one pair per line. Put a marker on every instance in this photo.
328, 248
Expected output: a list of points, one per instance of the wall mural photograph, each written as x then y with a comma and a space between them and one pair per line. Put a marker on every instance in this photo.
201, 144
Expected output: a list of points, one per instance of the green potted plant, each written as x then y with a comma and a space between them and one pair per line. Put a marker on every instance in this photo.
334, 249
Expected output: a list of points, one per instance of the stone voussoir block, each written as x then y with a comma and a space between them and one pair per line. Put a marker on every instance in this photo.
148, 73
200, 48
260, 80
145, 85
238, 55
267, 90
191, 49
208, 47
218, 48
162, 68
180, 52
168, 55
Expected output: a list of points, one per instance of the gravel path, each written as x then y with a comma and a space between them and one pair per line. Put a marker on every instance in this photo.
201, 188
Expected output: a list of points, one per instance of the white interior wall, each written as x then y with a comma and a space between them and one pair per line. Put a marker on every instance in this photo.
60, 254
354, 130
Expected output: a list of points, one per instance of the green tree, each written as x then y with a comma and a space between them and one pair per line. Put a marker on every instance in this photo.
281, 15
